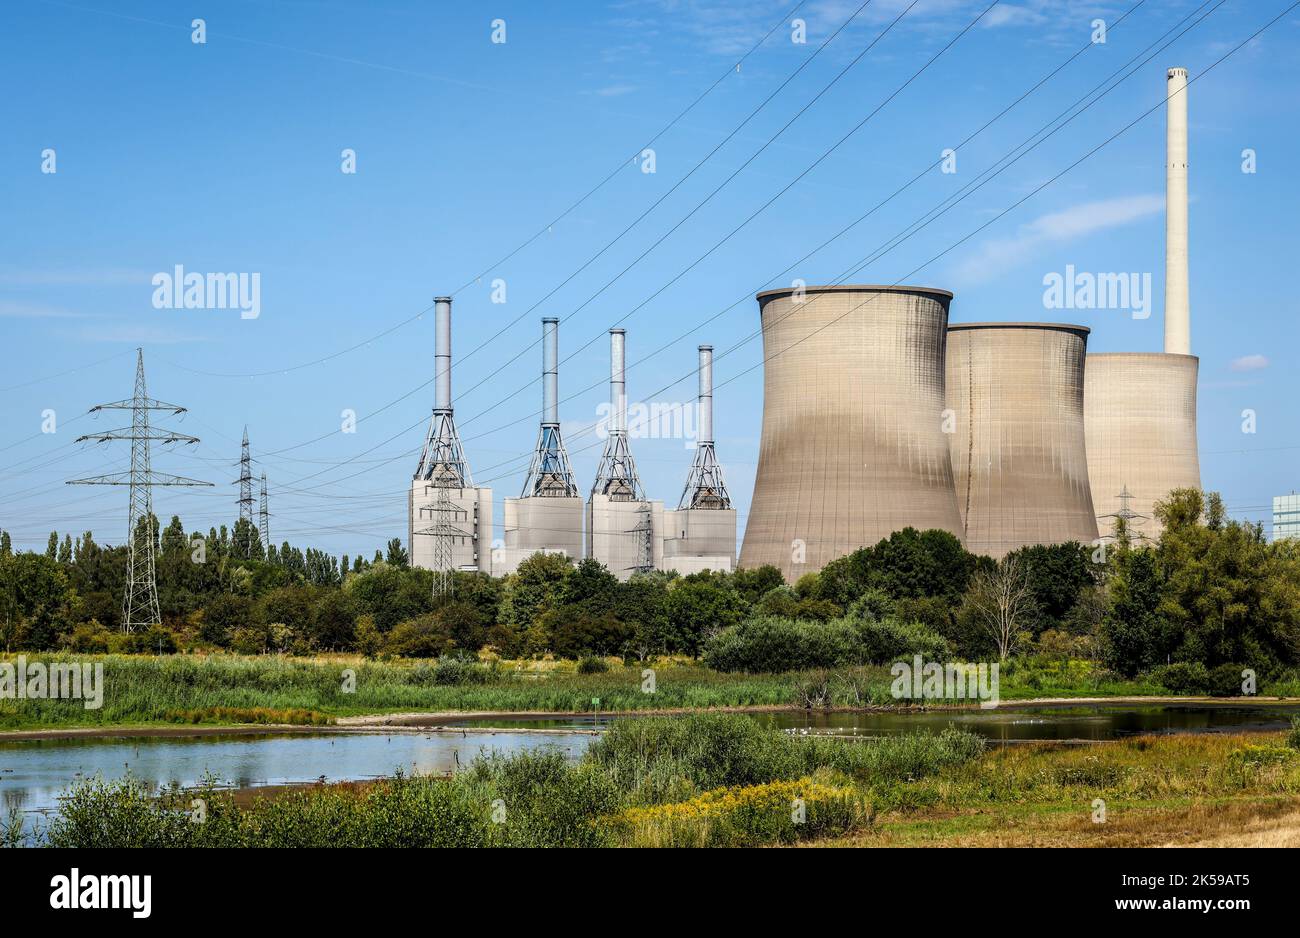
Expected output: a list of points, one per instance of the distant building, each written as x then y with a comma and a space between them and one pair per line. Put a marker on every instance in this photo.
1286, 516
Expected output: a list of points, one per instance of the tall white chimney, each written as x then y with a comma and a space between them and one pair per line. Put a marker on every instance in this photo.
706, 394
442, 353
617, 382
551, 372
1178, 316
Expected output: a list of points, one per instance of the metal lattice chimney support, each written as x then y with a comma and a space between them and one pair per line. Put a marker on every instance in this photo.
616, 475
549, 474
442, 460
705, 486
1178, 317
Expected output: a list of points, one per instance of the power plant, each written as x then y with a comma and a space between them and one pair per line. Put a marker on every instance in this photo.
701, 534
1015, 392
852, 446
624, 527
547, 516
449, 524
877, 416
1140, 408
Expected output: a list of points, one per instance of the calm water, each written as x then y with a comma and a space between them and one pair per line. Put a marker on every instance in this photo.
1051, 723
33, 773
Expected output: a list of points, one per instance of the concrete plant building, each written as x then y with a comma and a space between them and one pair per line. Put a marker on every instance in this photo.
449, 519
1286, 516
547, 517
624, 528
1015, 392
701, 534
1140, 408
852, 446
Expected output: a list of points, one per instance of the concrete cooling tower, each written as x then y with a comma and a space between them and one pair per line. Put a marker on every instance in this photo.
853, 447
1140, 414
1016, 392
1140, 409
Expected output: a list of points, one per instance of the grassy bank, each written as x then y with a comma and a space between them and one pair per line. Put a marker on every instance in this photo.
705, 779
723, 780
1228, 790
177, 689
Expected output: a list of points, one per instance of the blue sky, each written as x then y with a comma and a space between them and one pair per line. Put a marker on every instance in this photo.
225, 157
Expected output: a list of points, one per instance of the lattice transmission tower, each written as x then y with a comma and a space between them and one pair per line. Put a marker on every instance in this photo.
140, 604
245, 484
1125, 522
264, 518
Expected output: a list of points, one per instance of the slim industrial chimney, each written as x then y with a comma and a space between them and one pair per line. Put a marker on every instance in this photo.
616, 475
1178, 317
705, 487
442, 353
442, 461
550, 475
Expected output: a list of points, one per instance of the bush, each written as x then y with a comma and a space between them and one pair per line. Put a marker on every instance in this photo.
1225, 680
1293, 737
890, 639
592, 664
769, 644
1182, 677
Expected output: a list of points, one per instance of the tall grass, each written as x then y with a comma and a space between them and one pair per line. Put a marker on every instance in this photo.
139, 690
733, 779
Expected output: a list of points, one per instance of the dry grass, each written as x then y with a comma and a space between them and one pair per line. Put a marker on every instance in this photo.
1209, 790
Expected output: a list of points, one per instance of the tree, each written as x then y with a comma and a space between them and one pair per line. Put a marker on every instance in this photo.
699, 606
1131, 631
397, 554
1002, 602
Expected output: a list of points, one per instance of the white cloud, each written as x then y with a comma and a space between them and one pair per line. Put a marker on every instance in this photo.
998, 254
10, 309
83, 277
1249, 363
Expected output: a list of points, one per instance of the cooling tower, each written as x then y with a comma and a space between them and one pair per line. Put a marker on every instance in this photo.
1140, 408
1140, 415
853, 447
1016, 434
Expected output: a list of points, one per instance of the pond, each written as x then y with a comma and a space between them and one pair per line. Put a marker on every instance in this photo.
34, 772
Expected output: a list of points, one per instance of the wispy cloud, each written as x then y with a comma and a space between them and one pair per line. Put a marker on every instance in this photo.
82, 277
1249, 363
999, 254
136, 335
12, 309
614, 91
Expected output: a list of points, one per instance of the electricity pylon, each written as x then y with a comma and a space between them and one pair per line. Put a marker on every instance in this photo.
140, 604
246, 496
264, 518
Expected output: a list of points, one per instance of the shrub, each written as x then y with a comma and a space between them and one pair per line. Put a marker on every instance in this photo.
1183, 677
770, 644
1225, 680
890, 639
592, 664
775, 812
1293, 737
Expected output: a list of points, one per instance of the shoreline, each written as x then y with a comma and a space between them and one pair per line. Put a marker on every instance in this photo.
452, 721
